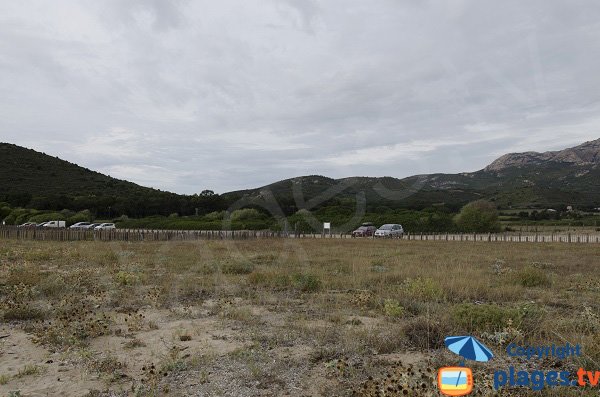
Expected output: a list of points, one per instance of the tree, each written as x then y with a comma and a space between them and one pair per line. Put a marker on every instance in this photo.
478, 217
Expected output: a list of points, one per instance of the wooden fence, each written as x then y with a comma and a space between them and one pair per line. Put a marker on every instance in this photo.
13, 232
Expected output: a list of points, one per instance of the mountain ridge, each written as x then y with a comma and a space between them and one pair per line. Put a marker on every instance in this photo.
530, 179
583, 154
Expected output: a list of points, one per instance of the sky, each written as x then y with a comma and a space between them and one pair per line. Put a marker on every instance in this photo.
226, 95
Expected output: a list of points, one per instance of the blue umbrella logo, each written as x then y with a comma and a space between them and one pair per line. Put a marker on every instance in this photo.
468, 348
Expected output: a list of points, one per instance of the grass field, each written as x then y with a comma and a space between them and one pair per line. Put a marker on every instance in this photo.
284, 317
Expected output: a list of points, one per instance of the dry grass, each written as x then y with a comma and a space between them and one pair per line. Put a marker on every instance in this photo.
295, 309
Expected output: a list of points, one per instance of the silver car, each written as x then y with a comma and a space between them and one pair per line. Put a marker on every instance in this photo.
105, 226
390, 230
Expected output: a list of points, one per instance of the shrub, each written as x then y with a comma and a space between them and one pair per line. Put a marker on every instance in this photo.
49, 216
215, 216
423, 288
425, 333
4, 212
306, 282
470, 317
392, 308
126, 278
478, 217
269, 279
81, 216
245, 213
22, 313
238, 268
531, 277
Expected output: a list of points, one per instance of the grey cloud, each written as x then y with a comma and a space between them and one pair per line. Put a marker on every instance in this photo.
228, 95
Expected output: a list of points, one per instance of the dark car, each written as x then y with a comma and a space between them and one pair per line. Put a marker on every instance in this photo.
365, 230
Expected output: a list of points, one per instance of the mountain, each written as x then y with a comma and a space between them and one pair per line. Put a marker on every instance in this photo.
530, 179
518, 180
585, 155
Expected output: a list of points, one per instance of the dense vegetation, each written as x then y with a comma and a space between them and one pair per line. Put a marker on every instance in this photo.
36, 187
35, 180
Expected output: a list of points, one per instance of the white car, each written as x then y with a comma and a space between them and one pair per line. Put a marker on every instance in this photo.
55, 224
390, 230
105, 226
79, 225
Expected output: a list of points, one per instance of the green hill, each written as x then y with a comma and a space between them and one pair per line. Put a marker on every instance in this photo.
522, 180
532, 180
32, 179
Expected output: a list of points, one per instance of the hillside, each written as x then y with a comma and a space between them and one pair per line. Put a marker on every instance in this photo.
536, 180
37, 180
531, 179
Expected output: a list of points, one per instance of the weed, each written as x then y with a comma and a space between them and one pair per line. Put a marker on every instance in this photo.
134, 343
237, 268
22, 313
392, 308
423, 288
126, 278
480, 318
29, 370
425, 333
306, 282
531, 277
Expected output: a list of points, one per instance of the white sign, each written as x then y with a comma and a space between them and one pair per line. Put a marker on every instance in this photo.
327, 225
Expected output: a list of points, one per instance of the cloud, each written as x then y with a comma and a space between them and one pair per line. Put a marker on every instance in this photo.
227, 95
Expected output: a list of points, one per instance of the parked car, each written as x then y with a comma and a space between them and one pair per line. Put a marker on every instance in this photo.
91, 226
28, 224
390, 230
79, 225
364, 230
105, 226
54, 224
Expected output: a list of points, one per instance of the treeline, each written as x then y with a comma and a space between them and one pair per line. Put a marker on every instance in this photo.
134, 204
475, 217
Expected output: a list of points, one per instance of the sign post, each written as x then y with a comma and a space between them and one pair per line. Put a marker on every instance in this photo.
326, 228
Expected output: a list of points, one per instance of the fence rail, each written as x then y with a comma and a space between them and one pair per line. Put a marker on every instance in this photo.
13, 232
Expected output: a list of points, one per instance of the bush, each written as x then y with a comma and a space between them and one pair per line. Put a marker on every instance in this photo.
306, 282
126, 278
46, 217
22, 313
4, 212
237, 268
392, 308
531, 277
484, 318
423, 288
81, 216
478, 217
245, 213
215, 216
424, 333
269, 279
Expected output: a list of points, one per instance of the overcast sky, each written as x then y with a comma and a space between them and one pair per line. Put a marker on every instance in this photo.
224, 95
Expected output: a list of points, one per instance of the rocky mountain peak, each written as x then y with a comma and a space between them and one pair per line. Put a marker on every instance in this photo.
587, 153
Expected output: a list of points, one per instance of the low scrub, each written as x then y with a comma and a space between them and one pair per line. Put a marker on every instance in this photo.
269, 279
426, 333
484, 318
306, 282
22, 313
531, 277
237, 268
